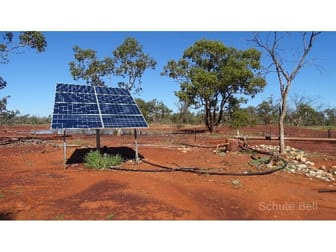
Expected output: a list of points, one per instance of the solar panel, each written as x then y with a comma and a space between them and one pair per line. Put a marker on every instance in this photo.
79, 106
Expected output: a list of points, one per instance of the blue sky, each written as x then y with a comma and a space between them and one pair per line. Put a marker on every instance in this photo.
32, 76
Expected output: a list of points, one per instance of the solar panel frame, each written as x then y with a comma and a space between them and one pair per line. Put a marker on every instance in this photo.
79, 106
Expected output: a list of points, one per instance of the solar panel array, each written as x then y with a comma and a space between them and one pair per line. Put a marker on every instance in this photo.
79, 106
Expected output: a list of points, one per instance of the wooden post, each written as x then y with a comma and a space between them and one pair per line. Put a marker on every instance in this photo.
64, 148
98, 139
136, 146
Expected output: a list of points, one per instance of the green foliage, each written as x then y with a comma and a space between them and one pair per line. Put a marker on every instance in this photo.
109, 217
240, 118
210, 74
34, 40
130, 63
330, 115
267, 111
98, 161
11, 43
306, 115
154, 111
88, 67
6, 116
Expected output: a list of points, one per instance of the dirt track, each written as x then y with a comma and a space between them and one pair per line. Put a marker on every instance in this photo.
34, 186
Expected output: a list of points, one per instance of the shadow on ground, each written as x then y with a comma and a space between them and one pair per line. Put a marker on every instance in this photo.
79, 154
6, 216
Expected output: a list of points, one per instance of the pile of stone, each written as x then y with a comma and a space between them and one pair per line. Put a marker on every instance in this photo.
299, 164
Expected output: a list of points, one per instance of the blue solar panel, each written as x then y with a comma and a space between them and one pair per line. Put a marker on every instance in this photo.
104, 99
112, 91
76, 121
78, 106
75, 97
119, 109
124, 121
67, 88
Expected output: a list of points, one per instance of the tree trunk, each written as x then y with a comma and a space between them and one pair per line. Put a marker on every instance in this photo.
208, 121
283, 111
281, 134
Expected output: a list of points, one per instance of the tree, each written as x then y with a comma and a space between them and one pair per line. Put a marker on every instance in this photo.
154, 110
285, 78
88, 67
130, 63
240, 118
184, 116
6, 115
267, 111
304, 113
10, 44
330, 114
210, 74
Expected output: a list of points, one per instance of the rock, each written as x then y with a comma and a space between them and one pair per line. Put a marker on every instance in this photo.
310, 163
301, 166
323, 167
313, 173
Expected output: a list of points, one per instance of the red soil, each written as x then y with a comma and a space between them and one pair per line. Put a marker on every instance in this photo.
34, 185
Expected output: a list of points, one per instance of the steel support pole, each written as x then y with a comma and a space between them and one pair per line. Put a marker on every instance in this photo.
136, 146
64, 148
98, 139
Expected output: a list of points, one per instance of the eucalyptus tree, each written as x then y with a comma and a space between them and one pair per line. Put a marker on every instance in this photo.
88, 67
271, 45
130, 63
211, 74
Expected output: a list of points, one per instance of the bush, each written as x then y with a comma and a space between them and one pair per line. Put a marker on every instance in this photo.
98, 161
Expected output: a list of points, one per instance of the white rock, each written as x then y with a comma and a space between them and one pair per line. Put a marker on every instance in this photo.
312, 173
301, 166
310, 163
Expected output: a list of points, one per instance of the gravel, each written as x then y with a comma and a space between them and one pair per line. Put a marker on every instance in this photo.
298, 163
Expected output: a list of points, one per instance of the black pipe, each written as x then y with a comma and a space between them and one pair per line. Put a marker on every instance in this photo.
202, 170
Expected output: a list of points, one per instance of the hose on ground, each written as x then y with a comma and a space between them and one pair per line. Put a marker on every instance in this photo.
204, 171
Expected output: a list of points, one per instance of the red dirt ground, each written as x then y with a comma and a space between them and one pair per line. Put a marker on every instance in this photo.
34, 185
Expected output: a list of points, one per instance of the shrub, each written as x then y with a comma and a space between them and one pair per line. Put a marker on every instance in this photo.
98, 161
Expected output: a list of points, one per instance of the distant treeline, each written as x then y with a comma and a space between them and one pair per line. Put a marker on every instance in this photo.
154, 111
15, 118
301, 114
